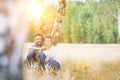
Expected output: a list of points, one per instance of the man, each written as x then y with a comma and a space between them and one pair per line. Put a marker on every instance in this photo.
35, 49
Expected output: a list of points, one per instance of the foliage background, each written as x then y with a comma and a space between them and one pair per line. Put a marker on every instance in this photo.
84, 22
90, 22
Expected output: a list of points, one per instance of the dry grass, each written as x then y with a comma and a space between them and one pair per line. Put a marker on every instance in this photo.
39, 74
99, 66
69, 71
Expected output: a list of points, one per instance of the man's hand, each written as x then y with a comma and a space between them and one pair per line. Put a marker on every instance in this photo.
35, 48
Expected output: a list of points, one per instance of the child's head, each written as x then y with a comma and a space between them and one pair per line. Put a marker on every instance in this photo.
48, 40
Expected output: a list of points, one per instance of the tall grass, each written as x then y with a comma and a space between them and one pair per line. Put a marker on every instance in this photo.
71, 71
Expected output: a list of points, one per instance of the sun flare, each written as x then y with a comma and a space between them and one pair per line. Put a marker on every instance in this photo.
35, 9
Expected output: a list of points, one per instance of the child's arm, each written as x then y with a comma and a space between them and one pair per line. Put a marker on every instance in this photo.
39, 48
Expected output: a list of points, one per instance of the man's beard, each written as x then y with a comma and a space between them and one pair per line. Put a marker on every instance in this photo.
39, 44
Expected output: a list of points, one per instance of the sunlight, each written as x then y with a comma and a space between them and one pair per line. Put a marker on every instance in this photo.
35, 9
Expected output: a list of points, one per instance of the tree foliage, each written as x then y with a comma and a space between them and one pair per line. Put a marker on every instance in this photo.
90, 22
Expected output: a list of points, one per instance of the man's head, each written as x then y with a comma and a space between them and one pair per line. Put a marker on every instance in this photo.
38, 39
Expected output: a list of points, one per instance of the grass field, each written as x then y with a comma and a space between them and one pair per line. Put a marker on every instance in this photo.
82, 69
108, 71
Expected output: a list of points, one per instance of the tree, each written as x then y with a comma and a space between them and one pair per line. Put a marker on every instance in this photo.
90, 22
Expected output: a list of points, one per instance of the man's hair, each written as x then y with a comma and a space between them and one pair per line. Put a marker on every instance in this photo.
39, 35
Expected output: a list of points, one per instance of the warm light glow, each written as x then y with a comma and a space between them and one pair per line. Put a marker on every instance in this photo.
35, 9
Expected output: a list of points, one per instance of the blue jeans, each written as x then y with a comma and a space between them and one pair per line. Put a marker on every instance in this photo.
51, 62
32, 55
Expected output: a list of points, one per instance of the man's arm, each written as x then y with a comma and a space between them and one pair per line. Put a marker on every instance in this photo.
39, 48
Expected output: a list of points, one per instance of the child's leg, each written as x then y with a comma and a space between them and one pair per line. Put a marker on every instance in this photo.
53, 62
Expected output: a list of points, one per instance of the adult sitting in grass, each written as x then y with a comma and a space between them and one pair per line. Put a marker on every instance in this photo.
35, 49
48, 56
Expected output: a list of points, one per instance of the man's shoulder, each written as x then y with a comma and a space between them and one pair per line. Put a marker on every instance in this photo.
31, 45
